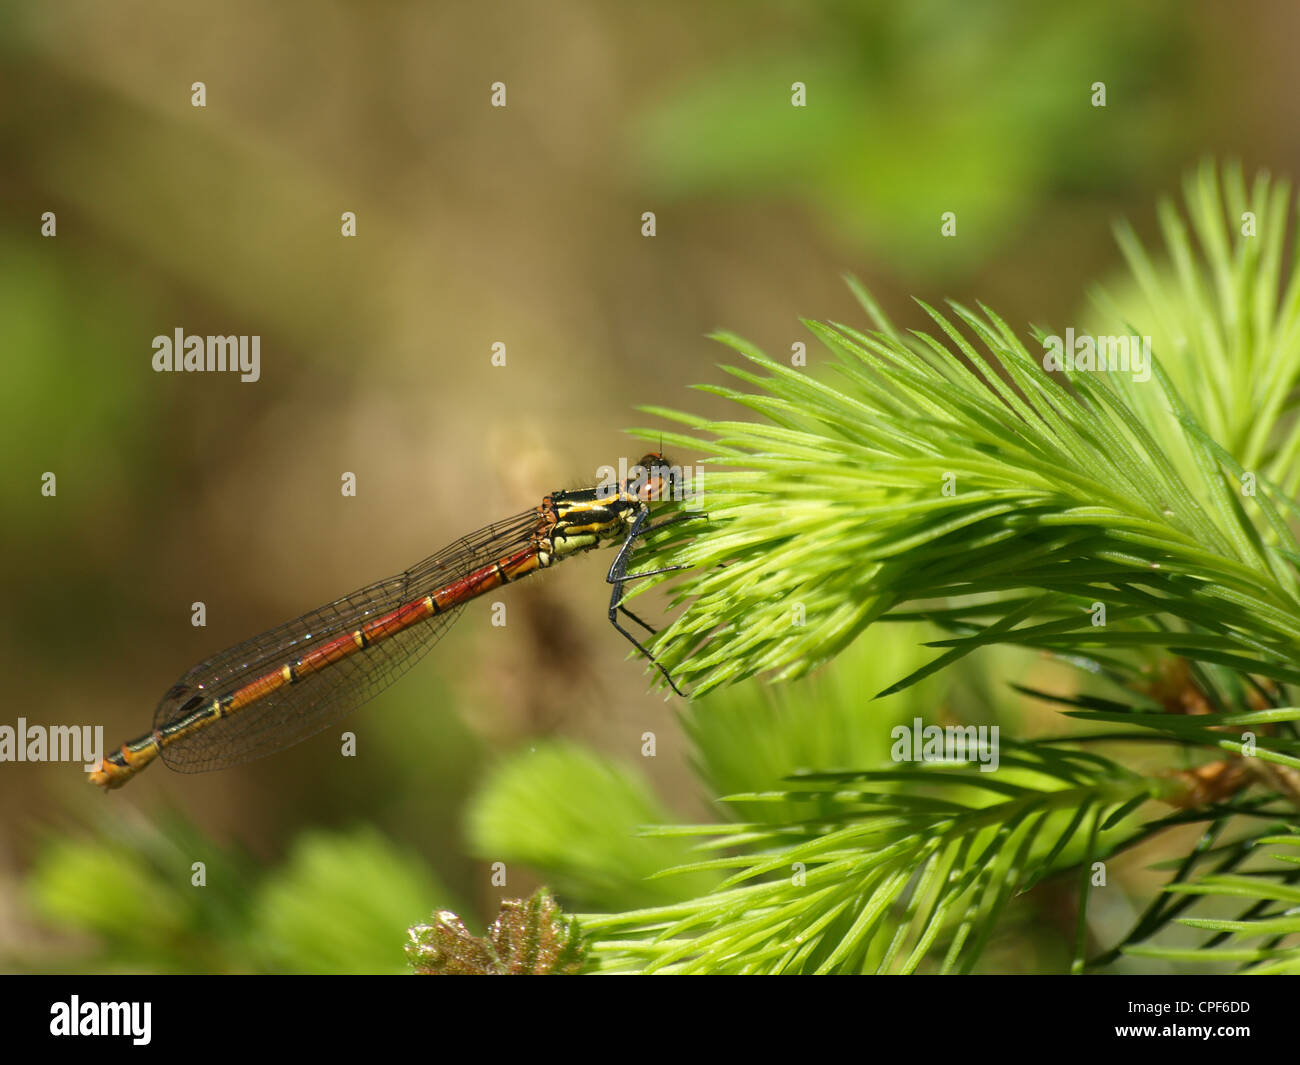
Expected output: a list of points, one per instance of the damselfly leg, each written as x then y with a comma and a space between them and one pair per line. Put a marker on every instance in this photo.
618, 576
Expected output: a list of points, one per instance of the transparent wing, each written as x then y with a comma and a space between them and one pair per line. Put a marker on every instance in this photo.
289, 714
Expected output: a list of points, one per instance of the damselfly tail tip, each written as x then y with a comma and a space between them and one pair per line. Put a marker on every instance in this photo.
108, 776
120, 766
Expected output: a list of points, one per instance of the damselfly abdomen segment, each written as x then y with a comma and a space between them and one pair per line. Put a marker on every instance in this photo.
289, 683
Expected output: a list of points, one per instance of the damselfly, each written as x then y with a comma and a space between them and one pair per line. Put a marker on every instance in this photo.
289, 683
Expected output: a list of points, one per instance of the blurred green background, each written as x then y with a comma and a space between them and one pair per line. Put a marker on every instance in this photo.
476, 225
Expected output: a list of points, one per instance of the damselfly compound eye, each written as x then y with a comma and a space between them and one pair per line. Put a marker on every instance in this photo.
272, 691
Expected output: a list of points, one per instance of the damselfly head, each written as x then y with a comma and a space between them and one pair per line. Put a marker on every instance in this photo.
659, 478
